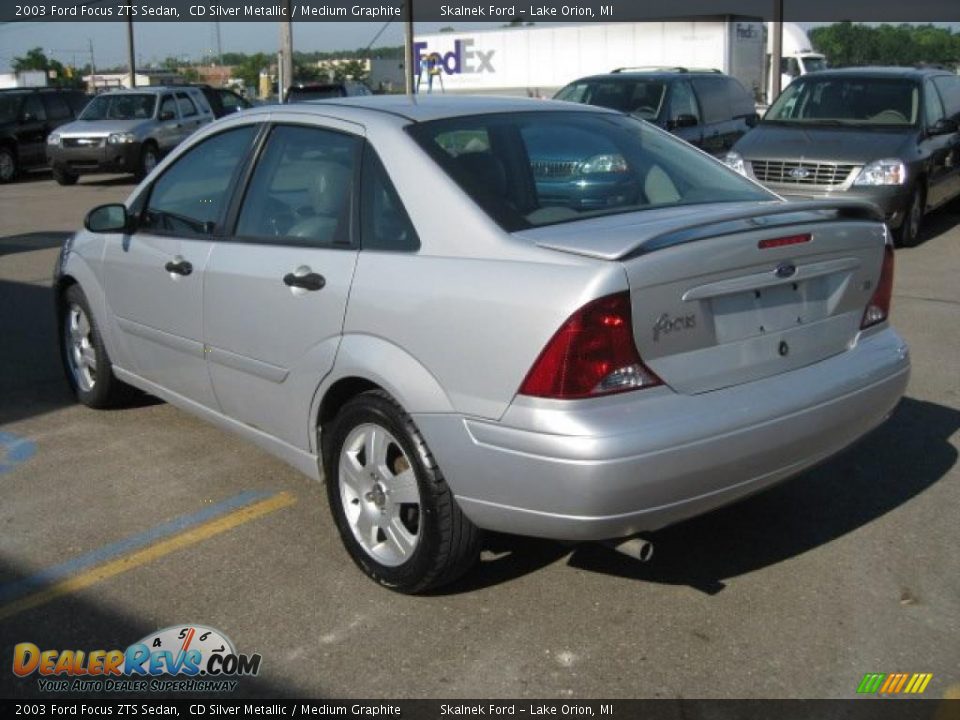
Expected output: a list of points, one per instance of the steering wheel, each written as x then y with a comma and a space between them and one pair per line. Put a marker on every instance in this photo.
889, 116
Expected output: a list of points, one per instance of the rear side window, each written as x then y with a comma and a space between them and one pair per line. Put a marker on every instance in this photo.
191, 195
168, 107
301, 192
57, 108
639, 97
384, 223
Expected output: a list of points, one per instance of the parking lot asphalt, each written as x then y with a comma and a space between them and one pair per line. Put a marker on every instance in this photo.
119, 523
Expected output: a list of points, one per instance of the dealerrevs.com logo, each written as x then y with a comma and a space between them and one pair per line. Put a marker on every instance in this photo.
180, 658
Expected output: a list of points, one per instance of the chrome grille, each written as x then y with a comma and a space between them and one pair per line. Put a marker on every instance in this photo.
554, 168
793, 172
82, 142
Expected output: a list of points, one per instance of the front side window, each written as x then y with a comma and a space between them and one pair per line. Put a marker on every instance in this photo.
847, 101
949, 87
302, 189
683, 102
187, 108
229, 101
932, 107
643, 98
33, 108
168, 108
532, 169
190, 197
125, 106
57, 108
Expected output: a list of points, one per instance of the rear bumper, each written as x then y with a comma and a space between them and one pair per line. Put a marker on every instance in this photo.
611, 467
120, 158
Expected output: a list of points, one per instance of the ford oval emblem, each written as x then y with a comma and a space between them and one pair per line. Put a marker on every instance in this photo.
785, 270
799, 173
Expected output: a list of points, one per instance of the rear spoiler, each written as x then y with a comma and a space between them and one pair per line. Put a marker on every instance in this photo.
679, 225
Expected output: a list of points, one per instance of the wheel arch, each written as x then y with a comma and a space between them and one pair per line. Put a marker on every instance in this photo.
366, 363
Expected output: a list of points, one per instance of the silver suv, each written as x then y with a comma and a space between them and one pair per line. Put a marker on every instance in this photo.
486, 355
126, 131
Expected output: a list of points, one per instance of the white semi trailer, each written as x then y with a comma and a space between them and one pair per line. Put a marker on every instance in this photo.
538, 60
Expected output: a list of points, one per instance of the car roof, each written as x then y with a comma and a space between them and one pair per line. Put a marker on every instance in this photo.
653, 74
149, 89
913, 73
419, 108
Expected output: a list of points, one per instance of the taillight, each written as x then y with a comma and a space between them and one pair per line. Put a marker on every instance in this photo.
593, 353
878, 309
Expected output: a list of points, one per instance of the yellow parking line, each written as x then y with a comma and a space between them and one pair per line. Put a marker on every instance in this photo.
148, 554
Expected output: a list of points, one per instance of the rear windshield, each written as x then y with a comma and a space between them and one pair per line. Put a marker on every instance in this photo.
532, 169
640, 97
321, 93
129, 106
847, 101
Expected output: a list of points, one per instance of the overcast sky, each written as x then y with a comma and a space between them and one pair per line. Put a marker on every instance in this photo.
69, 42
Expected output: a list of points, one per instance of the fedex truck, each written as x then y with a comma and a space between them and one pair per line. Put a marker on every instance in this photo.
538, 60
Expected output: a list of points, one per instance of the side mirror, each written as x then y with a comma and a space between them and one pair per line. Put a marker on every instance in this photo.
166, 115
684, 120
943, 126
107, 219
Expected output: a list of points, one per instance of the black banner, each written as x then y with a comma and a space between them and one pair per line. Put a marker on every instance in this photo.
497, 11
859, 709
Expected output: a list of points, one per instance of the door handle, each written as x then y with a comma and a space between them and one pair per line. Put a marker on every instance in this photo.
178, 266
310, 281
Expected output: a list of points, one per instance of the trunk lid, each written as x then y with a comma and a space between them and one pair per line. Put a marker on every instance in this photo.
715, 303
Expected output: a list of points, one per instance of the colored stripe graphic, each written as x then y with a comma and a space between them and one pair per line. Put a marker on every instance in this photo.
894, 683
137, 550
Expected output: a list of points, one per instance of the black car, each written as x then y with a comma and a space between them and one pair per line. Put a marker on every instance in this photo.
223, 101
704, 107
306, 91
27, 116
887, 135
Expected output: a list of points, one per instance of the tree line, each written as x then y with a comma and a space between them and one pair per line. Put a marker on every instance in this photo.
854, 44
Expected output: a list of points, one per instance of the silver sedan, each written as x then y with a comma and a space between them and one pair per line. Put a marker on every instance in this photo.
477, 313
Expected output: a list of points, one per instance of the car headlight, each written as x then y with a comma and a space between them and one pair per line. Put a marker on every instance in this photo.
121, 138
603, 164
888, 171
53, 139
734, 161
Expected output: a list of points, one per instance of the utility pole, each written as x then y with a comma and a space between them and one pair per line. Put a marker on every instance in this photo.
219, 46
93, 65
408, 46
130, 56
286, 49
776, 52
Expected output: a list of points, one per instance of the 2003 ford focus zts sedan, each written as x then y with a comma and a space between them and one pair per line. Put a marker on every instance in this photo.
373, 290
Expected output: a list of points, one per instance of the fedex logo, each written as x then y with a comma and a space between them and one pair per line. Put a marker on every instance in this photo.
463, 59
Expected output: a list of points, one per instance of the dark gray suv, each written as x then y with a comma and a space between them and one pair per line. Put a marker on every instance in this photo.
887, 135
704, 107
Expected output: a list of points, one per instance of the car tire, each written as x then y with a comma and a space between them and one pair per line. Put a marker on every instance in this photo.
85, 360
8, 164
909, 232
149, 157
395, 512
65, 178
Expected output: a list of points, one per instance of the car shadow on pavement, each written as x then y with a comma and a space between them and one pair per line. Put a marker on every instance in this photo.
90, 621
939, 222
32, 381
28, 242
899, 460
